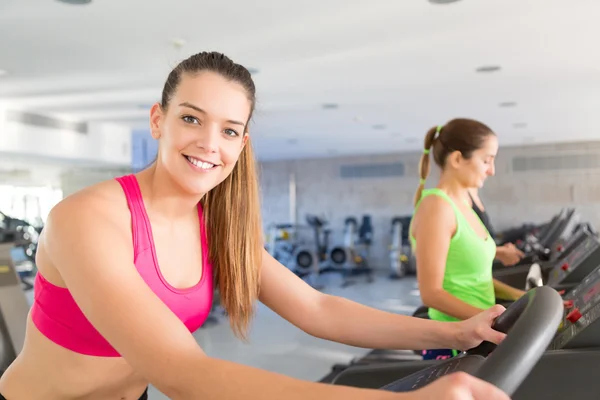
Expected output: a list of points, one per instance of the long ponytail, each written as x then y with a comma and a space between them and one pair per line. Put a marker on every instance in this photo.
233, 219
424, 165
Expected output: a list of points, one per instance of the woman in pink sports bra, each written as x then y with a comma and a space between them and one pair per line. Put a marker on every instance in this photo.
127, 269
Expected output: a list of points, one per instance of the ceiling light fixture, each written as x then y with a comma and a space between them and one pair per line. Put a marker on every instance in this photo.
178, 43
76, 2
379, 126
3, 72
507, 104
520, 125
488, 68
331, 106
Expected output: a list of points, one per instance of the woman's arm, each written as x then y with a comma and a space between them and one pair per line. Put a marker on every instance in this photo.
344, 321
93, 254
435, 225
506, 292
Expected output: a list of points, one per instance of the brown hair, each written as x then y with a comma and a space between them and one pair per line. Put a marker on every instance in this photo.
461, 134
232, 208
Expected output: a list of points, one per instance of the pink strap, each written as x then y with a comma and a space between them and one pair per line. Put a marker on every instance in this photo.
140, 230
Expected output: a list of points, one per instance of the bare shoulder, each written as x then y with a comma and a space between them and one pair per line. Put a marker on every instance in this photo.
94, 216
434, 208
104, 201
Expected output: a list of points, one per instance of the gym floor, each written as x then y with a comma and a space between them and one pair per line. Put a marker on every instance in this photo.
276, 345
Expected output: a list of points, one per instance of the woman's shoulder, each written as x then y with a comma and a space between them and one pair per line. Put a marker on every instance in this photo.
102, 201
435, 210
434, 201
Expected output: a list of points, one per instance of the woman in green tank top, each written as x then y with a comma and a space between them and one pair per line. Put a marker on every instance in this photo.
454, 251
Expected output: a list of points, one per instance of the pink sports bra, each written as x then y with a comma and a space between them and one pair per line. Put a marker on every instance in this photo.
57, 316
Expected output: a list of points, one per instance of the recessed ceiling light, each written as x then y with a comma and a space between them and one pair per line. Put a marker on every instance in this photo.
488, 68
520, 125
331, 106
76, 2
379, 126
507, 104
3, 72
178, 43
442, 1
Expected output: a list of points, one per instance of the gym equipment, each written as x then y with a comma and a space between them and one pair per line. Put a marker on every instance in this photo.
324, 263
284, 244
576, 261
567, 367
547, 243
24, 239
14, 309
580, 327
531, 324
347, 255
402, 261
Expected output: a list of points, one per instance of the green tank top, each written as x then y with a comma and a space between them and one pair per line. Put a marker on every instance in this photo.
468, 274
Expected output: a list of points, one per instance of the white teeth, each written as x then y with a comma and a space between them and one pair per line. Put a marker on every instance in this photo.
200, 164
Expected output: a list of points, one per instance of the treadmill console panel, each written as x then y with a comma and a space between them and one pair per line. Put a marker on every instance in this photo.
464, 363
581, 320
575, 264
563, 250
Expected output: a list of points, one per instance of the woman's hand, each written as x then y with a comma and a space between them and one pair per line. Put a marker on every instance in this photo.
473, 331
509, 255
459, 386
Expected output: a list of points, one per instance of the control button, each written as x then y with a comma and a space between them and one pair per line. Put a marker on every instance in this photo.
568, 303
565, 267
574, 316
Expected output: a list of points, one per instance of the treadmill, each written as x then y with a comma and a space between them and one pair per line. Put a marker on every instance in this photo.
530, 324
554, 248
14, 309
566, 369
578, 260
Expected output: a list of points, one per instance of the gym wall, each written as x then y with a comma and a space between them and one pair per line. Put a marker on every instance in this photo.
531, 184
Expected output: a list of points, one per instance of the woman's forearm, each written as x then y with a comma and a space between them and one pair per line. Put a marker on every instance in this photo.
506, 292
203, 377
450, 305
351, 323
